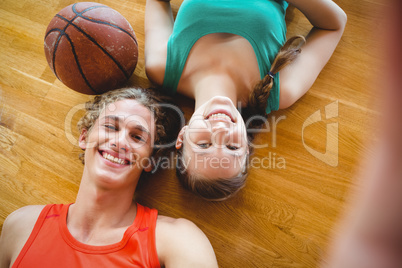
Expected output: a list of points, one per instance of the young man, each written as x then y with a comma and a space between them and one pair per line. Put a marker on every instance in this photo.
104, 227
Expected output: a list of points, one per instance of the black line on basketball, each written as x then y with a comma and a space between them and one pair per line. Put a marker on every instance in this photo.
96, 43
80, 14
78, 63
63, 33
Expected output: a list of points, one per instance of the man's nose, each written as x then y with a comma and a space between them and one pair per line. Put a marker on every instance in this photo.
121, 141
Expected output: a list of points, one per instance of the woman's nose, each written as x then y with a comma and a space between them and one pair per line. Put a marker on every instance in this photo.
220, 135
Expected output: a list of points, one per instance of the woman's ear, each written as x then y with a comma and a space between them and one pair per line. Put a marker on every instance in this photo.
179, 141
82, 140
149, 167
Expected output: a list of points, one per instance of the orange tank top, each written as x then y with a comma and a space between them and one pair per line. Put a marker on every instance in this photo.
51, 244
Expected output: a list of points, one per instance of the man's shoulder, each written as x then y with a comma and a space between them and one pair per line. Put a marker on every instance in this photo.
171, 227
180, 243
169, 222
23, 216
16, 230
20, 223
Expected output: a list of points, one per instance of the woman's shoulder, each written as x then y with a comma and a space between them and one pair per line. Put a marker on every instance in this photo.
155, 64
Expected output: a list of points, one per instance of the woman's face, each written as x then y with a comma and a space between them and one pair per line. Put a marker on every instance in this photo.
215, 140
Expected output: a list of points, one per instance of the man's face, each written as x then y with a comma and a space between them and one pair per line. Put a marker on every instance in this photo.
119, 145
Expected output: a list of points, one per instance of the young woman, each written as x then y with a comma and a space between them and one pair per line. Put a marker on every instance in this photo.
226, 54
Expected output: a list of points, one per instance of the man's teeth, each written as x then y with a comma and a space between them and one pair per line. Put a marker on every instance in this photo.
220, 116
113, 159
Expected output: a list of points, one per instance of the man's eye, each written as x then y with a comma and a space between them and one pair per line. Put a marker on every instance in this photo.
112, 127
232, 147
138, 137
204, 145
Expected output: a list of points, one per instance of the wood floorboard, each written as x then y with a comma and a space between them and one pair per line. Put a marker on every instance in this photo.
285, 215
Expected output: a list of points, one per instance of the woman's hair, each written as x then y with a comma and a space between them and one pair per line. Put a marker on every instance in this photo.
220, 189
258, 97
166, 118
217, 189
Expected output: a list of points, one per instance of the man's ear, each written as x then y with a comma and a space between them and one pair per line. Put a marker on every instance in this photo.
180, 137
149, 165
82, 140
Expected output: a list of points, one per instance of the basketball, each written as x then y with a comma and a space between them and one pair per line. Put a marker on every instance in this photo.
91, 48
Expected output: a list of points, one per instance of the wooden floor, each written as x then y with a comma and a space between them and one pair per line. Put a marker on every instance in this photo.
297, 189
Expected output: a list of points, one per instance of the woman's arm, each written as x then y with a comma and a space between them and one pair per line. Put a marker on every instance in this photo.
158, 28
328, 21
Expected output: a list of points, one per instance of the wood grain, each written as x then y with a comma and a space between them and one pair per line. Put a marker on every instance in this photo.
285, 215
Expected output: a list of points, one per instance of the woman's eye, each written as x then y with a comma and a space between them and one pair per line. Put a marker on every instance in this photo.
231, 147
204, 145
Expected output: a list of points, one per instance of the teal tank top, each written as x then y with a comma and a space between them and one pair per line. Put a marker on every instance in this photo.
261, 22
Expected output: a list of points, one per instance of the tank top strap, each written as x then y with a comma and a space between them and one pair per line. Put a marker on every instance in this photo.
148, 221
37, 227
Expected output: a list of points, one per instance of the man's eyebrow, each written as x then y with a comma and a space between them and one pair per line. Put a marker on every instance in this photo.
121, 119
114, 117
142, 129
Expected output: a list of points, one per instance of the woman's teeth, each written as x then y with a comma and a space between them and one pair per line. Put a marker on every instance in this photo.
113, 159
220, 116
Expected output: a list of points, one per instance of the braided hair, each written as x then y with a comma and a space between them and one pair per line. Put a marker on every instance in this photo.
259, 96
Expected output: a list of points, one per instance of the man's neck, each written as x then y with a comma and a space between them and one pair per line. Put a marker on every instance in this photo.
99, 213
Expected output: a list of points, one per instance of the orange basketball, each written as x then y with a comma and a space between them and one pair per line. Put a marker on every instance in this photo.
91, 48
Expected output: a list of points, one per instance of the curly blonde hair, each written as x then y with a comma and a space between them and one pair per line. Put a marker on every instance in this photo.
166, 120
